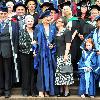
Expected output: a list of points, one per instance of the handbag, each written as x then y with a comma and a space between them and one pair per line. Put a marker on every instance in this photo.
66, 69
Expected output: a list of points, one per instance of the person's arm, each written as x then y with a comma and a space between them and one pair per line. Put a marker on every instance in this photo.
68, 38
67, 51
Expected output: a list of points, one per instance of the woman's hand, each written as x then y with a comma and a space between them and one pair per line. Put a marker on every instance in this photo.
33, 42
88, 69
34, 53
98, 53
65, 58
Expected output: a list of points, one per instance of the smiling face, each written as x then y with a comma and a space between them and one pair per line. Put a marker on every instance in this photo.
31, 5
59, 23
3, 15
88, 46
47, 19
97, 2
29, 22
66, 11
84, 9
20, 10
10, 5
94, 13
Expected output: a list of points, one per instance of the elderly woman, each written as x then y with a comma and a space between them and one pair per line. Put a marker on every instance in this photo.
63, 75
25, 47
45, 38
10, 6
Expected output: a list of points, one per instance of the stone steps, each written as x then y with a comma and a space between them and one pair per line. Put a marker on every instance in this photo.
72, 97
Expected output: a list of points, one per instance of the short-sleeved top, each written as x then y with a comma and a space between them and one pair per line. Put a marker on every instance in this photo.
64, 37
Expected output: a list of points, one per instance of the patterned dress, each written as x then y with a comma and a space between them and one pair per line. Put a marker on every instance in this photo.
63, 78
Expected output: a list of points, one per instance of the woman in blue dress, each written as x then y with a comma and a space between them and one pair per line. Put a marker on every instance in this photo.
87, 67
46, 52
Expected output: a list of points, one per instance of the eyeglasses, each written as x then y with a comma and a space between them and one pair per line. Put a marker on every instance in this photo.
59, 21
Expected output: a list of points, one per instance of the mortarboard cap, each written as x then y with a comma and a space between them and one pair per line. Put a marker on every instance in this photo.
47, 4
64, 4
45, 14
52, 8
95, 7
19, 4
26, 2
82, 3
97, 18
4, 9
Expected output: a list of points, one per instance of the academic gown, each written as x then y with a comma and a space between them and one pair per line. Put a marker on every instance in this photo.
76, 42
87, 79
96, 39
46, 59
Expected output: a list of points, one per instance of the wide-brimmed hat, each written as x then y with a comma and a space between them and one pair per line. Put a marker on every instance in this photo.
4, 9
47, 4
95, 7
45, 14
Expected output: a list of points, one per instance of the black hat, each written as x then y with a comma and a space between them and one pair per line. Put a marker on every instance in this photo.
26, 2
53, 8
82, 3
95, 7
4, 9
68, 3
19, 4
97, 18
45, 14
47, 4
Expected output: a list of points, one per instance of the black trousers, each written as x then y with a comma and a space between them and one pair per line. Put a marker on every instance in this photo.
26, 70
5, 74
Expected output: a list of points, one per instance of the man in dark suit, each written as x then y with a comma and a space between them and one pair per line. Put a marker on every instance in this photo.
8, 49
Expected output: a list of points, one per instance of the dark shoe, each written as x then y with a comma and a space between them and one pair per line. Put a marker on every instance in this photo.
60, 95
7, 95
34, 95
25, 95
1, 94
66, 95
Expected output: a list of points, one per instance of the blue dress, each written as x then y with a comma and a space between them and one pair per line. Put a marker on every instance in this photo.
46, 59
87, 79
95, 35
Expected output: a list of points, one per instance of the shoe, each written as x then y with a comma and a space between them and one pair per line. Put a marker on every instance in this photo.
34, 95
66, 95
60, 95
25, 94
1, 94
41, 94
7, 95
91, 96
83, 96
46, 94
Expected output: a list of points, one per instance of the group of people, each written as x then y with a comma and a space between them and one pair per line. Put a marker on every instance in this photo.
42, 45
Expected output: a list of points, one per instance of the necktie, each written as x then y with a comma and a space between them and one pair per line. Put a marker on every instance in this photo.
2, 26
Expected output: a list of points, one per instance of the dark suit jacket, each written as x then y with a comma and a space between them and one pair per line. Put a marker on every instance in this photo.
5, 42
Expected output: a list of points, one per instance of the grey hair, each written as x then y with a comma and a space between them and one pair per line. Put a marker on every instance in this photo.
29, 17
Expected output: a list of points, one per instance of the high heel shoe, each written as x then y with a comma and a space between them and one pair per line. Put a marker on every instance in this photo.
67, 94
